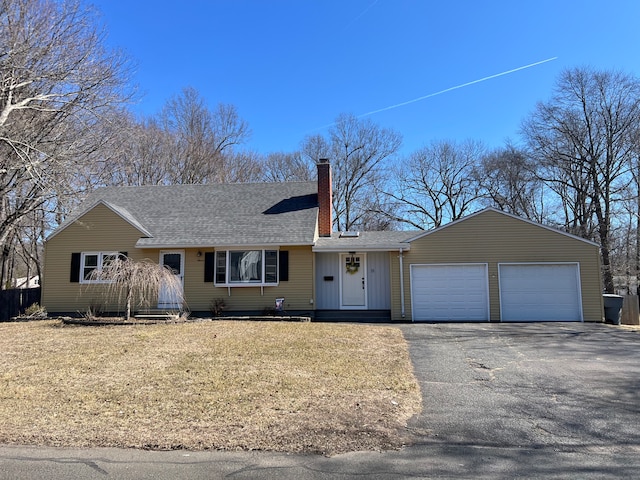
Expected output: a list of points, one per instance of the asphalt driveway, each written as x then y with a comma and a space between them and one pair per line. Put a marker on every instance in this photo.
552, 400
567, 386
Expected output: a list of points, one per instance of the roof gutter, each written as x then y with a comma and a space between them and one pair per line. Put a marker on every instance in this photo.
222, 246
361, 248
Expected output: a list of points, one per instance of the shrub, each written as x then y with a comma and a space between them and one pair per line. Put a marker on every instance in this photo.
35, 310
217, 306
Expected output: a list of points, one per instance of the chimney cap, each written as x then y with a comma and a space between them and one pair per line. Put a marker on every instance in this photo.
323, 160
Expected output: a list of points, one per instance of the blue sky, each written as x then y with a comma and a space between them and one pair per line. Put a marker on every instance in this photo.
291, 67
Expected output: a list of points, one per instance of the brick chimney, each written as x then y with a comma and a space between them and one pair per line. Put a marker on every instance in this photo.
325, 213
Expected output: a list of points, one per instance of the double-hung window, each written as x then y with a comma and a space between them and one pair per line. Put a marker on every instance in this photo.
246, 267
91, 263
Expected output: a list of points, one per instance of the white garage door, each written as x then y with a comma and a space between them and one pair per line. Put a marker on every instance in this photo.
540, 292
455, 292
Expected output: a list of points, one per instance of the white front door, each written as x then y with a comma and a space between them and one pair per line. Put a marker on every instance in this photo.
167, 297
353, 281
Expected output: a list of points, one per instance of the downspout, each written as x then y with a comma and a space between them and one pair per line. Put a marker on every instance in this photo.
402, 310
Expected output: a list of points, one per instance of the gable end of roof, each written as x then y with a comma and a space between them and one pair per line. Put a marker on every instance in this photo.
120, 211
506, 214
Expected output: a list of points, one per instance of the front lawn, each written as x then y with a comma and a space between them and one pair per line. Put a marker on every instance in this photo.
297, 387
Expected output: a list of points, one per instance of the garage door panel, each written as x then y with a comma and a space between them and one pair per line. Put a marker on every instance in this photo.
449, 292
540, 292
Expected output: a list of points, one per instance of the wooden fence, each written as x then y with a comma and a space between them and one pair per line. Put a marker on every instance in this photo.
13, 302
630, 314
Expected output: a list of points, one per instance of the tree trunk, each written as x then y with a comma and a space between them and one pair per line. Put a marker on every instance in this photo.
129, 295
607, 273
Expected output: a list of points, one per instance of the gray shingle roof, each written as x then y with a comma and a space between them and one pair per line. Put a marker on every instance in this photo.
386, 240
215, 215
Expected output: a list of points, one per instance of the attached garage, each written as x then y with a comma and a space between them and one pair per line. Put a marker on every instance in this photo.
451, 292
494, 266
540, 292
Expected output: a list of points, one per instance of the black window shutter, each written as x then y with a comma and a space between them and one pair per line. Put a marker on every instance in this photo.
74, 276
209, 264
124, 255
283, 266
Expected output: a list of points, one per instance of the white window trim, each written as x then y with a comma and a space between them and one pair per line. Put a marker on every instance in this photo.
261, 283
101, 256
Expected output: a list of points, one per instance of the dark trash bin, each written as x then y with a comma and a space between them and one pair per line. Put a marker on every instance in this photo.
612, 308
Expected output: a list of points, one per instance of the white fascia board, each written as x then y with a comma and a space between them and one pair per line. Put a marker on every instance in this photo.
127, 217
221, 247
363, 248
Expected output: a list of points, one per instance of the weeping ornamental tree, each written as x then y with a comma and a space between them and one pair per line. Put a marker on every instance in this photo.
137, 283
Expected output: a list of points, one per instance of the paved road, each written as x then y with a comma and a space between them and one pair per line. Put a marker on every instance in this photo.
500, 401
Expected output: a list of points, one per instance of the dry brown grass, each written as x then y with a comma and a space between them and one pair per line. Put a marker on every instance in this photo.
298, 387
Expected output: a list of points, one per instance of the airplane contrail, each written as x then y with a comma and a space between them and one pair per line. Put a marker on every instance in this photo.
484, 79
424, 97
360, 15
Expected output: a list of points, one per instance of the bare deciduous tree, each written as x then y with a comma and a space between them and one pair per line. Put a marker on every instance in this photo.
635, 215
436, 184
288, 167
57, 81
142, 155
242, 167
358, 150
582, 141
202, 137
187, 142
628, 254
507, 181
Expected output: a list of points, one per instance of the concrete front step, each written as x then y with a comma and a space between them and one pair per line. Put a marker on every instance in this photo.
157, 314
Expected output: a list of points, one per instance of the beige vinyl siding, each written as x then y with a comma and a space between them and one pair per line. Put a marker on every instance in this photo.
297, 291
103, 230
98, 230
491, 237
